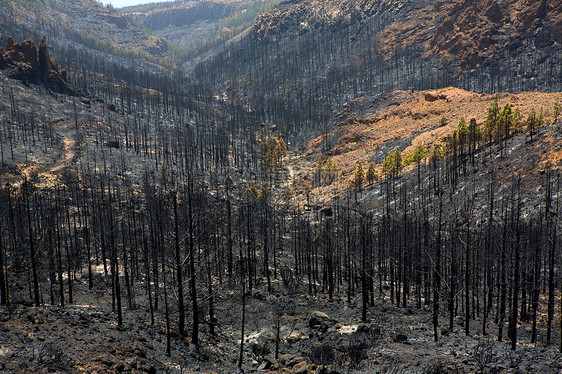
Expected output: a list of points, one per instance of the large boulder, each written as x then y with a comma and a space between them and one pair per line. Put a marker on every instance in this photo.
261, 343
434, 96
318, 318
295, 337
431, 96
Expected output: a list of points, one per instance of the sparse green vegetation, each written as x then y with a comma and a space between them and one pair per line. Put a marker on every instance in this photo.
371, 175
273, 150
326, 171
556, 110
492, 120
534, 121
392, 164
420, 152
359, 176
437, 154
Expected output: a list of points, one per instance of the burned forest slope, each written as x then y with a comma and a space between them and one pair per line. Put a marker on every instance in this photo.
307, 59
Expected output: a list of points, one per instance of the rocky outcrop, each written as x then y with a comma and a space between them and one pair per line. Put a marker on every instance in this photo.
475, 32
24, 62
21, 60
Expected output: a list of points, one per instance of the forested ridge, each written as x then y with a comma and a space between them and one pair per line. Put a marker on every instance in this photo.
244, 218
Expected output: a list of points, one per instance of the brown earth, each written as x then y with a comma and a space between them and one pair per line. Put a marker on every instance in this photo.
368, 128
471, 33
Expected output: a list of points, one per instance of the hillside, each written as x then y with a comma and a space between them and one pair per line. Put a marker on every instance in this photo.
322, 54
369, 127
479, 33
329, 187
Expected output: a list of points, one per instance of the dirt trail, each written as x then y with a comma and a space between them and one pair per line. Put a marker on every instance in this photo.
68, 155
46, 166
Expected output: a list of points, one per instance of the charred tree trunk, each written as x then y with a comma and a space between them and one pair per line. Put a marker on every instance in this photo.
179, 271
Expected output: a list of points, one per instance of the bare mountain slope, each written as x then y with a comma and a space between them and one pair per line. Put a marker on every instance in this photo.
476, 33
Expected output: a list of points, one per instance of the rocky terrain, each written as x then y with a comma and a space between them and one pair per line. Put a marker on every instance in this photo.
477, 33
315, 336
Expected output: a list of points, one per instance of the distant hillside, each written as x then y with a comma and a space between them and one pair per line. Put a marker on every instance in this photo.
161, 15
198, 27
308, 58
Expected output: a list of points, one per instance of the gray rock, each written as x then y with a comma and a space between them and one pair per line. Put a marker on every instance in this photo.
318, 318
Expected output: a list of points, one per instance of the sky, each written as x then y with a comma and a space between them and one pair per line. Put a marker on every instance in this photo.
122, 3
